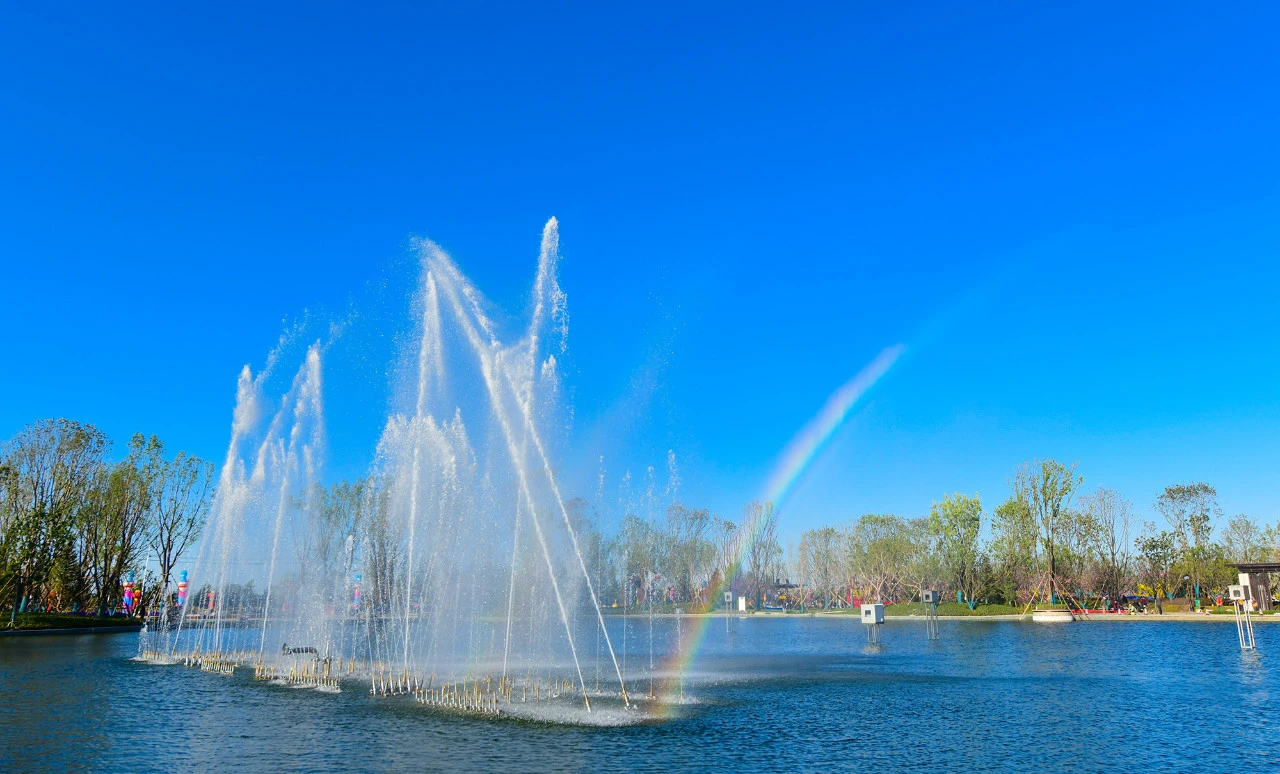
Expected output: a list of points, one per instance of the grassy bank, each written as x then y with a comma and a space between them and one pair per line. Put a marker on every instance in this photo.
950, 608
1224, 610
944, 608
39, 621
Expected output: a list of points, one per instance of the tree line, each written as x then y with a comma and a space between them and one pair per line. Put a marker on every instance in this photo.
74, 521
1047, 541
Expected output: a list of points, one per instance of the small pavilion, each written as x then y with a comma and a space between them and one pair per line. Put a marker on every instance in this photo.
1257, 576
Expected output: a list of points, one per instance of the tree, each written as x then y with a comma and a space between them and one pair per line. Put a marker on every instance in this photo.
382, 551
1078, 552
1013, 547
51, 466
879, 549
113, 517
1157, 551
179, 508
1271, 542
640, 551
820, 558
924, 567
690, 550
764, 553
1244, 541
726, 535
1192, 510
1045, 488
1113, 517
957, 522
332, 517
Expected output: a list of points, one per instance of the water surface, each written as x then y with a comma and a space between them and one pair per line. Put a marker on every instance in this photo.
779, 694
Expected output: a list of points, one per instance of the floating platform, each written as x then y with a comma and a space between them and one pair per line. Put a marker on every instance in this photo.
1052, 616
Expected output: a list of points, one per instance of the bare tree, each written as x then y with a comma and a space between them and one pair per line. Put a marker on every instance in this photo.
179, 507
764, 553
1113, 517
820, 558
690, 548
726, 534
1243, 540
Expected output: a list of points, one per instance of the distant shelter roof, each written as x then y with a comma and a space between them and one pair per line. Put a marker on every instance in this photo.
1255, 566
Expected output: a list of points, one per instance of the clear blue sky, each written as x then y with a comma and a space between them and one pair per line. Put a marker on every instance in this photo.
1068, 212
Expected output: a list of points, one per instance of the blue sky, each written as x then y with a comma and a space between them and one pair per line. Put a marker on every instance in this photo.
1067, 213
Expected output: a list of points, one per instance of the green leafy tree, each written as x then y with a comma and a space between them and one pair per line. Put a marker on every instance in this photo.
51, 466
1078, 555
924, 568
1046, 488
880, 547
333, 516
1157, 551
641, 550
1193, 513
113, 517
957, 521
1013, 548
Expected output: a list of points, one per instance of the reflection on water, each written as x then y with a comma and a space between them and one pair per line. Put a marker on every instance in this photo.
770, 694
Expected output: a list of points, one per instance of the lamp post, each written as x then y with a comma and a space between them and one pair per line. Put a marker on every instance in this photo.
1190, 593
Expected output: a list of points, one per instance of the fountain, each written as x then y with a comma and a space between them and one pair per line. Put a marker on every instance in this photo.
452, 573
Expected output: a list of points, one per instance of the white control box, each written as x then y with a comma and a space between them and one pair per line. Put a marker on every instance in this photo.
873, 614
1238, 593
742, 604
930, 597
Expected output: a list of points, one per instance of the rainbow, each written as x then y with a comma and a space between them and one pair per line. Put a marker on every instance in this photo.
797, 457
808, 444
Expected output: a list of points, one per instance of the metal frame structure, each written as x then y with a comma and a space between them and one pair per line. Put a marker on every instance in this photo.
872, 618
1239, 594
930, 598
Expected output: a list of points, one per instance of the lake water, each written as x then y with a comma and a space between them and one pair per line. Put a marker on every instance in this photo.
777, 694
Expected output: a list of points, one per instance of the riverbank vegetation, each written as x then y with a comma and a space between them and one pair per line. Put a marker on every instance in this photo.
47, 621
74, 521
1048, 541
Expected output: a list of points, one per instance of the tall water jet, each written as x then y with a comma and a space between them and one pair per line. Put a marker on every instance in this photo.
452, 571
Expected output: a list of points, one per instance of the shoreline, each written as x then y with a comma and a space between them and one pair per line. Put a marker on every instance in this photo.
1099, 617
124, 629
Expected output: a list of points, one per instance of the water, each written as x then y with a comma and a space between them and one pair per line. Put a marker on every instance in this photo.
460, 522
452, 576
777, 694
